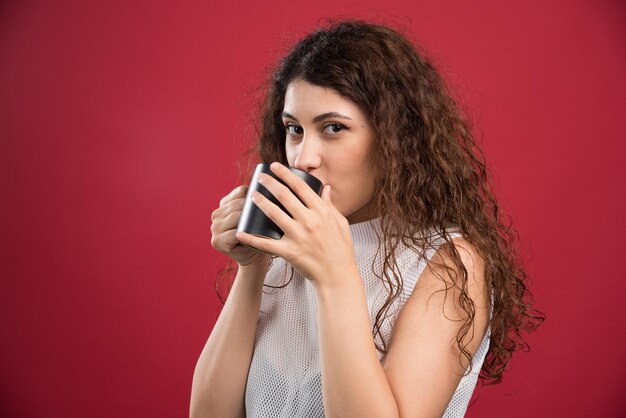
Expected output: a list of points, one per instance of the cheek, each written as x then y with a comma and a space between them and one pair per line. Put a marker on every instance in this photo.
357, 183
291, 154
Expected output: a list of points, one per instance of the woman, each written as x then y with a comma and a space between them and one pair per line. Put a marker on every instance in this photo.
391, 292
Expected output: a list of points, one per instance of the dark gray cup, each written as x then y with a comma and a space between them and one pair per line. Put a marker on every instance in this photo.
253, 220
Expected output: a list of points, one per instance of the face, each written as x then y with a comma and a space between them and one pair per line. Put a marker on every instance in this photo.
330, 137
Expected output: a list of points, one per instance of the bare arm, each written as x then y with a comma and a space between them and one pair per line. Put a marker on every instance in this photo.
353, 380
220, 376
219, 380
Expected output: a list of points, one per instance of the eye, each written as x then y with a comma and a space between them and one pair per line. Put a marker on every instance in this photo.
334, 128
293, 130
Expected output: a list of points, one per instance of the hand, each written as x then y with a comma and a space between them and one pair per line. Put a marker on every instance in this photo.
224, 221
317, 241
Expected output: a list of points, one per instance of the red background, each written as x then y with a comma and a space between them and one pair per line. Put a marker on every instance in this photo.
119, 125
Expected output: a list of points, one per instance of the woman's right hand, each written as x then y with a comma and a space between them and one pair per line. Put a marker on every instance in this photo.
224, 221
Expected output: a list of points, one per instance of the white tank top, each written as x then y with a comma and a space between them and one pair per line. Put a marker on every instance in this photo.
284, 380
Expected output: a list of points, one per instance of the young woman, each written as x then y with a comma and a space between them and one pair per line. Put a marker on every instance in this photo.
393, 292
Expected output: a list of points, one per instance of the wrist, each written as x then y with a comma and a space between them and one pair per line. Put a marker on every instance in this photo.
259, 266
346, 279
251, 277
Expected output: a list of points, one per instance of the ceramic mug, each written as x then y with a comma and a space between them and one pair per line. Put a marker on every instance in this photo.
253, 220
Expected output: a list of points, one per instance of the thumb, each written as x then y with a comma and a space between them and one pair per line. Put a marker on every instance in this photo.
326, 193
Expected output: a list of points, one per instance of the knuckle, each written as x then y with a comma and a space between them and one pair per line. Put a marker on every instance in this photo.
238, 205
311, 224
227, 206
233, 204
234, 214
215, 227
242, 189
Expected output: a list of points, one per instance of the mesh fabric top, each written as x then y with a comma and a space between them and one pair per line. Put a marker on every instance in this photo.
284, 380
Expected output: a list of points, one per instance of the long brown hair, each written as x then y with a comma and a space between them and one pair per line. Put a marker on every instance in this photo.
434, 174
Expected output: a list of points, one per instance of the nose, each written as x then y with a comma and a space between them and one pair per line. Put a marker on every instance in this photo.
308, 157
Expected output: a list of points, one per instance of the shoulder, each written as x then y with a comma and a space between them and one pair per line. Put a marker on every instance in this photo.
469, 256
442, 277
442, 290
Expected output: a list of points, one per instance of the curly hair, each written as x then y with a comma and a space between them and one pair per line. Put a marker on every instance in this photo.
430, 172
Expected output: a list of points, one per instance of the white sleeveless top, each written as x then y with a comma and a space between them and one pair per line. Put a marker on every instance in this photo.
284, 380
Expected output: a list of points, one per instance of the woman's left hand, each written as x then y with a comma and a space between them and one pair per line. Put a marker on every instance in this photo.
317, 240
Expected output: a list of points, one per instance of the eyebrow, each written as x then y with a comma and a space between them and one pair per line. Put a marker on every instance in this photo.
321, 117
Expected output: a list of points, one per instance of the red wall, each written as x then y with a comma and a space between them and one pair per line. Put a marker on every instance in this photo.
119, 124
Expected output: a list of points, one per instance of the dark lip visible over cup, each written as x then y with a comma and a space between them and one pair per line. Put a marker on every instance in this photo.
253, 220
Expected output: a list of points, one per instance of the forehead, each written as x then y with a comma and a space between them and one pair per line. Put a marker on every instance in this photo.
306, 98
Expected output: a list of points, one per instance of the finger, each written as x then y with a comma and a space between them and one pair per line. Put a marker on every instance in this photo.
230, 221
236, 192
272, 211
269, 245
326, 194
299, 186
224, 241
227, 207
285, 196
229, 239
235, 204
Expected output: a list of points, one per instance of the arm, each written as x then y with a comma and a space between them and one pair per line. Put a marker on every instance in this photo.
353, 380
220, 376
417, 377
422, 365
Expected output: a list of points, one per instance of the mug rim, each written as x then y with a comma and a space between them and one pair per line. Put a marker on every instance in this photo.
291, 168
